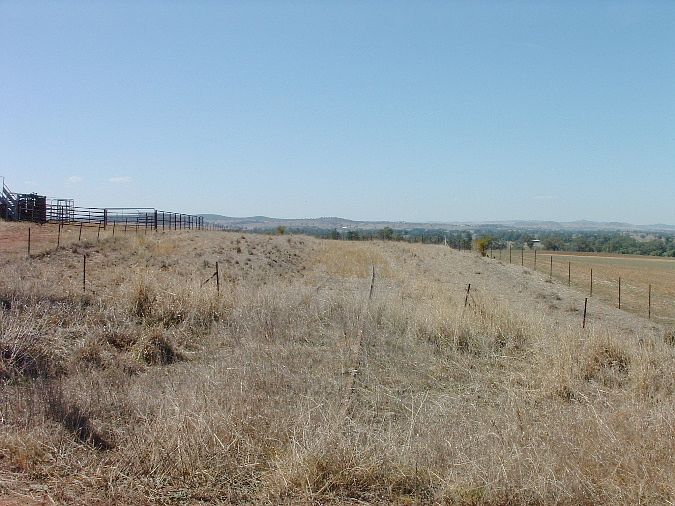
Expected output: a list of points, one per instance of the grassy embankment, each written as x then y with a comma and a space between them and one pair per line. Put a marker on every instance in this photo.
294, 386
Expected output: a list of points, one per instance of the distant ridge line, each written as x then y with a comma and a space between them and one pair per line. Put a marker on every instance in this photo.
265, 222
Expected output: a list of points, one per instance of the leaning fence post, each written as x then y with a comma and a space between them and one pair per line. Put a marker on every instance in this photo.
583, 325
466, 299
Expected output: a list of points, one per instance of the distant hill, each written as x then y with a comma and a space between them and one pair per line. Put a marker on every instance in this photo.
333, 222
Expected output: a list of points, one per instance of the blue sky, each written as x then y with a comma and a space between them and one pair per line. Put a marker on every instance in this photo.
415, 111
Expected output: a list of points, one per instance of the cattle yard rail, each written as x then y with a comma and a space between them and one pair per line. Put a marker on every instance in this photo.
40, 209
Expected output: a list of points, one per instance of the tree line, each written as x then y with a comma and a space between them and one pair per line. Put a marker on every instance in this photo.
620, 242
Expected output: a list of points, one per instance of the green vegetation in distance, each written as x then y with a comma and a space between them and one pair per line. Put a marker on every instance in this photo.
619, 242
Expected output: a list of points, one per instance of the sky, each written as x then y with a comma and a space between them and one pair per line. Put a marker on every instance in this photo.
369, 110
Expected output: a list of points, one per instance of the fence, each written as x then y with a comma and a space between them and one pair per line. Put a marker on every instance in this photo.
630, 287
39, 209
136, 217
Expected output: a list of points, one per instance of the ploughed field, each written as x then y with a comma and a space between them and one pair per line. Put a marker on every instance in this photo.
302, 378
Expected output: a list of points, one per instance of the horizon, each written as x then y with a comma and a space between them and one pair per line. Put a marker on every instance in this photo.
502, 222
385, 111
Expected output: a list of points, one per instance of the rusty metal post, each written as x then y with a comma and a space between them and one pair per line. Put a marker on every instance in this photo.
583, 325
591, 295
550, 272
619, 292
466, 299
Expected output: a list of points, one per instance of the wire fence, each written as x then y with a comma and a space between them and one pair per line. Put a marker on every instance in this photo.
647, 290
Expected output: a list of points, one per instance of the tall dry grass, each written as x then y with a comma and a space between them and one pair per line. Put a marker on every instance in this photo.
293, 386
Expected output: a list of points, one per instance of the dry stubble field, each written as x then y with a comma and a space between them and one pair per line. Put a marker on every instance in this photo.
295, 386
636, 273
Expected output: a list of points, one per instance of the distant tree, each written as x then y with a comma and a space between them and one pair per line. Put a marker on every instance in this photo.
353, 235
281, 230
553, 243
482, 244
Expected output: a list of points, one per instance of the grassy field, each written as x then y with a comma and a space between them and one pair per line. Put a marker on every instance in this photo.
636, 273
308, 381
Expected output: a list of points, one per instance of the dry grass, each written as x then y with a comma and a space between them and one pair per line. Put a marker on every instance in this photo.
292, 386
